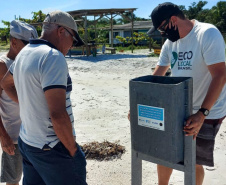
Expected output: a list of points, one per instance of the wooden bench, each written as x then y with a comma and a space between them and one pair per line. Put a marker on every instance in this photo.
157, 51
113, 50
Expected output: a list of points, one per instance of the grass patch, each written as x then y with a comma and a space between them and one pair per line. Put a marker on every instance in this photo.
153, 55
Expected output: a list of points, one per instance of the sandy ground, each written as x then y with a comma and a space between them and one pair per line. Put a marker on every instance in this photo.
100, 100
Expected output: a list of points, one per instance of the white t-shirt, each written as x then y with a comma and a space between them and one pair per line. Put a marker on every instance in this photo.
190, 56
37, 68
9, 110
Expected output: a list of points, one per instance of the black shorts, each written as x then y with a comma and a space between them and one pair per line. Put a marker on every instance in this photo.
205, 141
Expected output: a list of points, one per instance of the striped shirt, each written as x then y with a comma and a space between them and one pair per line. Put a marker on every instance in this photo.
40, 67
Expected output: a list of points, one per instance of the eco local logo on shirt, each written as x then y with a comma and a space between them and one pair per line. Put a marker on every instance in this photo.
183, 59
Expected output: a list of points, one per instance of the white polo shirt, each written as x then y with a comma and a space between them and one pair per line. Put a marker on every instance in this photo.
37, 68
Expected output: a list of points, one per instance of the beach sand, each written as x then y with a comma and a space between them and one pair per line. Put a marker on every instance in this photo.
100, 100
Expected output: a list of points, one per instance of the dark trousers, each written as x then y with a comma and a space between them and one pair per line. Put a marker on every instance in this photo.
52, 166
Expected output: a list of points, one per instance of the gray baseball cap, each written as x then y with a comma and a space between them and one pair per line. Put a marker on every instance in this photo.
23, 31
66, 20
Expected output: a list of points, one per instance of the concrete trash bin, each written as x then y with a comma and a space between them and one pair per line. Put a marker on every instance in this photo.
158, 109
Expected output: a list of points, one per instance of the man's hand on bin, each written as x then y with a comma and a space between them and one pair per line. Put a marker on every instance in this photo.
129, 115
194, 124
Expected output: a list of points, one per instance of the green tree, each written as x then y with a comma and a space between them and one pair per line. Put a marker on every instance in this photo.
137, 37
217, 16
195, 10
103, 22
5, 31
38, 16
102, 34
126, 18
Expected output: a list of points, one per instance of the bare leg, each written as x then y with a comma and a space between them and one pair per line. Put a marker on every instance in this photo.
164, 174
199, 174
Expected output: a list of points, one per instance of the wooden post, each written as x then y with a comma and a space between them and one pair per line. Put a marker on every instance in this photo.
112, 31
95, 23
86, 35
132, 30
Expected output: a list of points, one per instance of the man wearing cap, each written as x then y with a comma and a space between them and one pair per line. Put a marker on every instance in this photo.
11, 169
197, 50
47, 137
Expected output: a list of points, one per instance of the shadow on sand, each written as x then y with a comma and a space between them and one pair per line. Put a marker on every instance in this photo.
103, 57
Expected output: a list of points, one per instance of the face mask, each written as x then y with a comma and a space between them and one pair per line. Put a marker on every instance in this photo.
171, 34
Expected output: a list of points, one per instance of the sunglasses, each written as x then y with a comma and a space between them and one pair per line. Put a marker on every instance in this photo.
162, 28
75, 41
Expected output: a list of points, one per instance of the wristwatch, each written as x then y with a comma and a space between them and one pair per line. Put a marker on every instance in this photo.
204, 111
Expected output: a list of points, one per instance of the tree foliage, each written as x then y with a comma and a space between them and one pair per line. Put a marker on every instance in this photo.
195, 10
5, 31
216, 15
38, 17
137, 38
124, 20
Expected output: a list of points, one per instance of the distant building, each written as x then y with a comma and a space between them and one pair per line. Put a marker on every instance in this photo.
125, 30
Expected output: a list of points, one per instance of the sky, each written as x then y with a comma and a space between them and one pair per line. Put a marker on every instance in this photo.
11, 9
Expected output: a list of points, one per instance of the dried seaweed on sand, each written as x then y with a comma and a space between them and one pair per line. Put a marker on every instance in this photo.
103, 151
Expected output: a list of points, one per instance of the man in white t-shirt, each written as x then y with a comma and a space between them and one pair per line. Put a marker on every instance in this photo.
11, 167
197, 50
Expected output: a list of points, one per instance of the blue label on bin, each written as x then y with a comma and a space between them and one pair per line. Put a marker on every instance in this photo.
152, 117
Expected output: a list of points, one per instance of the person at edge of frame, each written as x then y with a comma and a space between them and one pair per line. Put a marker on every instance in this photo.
11, 163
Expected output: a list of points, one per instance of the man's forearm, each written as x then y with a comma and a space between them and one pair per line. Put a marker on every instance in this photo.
7, 83
160, 70
11, 92
6, 141
195, 121
213, 92
63, 129
3, 132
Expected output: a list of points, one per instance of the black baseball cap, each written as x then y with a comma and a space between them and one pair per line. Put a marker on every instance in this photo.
162, 12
